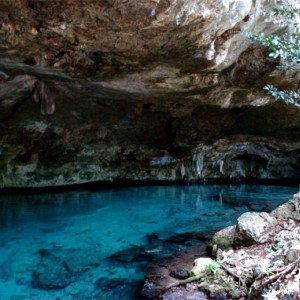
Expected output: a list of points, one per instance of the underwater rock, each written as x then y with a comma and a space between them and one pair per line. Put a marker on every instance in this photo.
188, 238
52, 273
158, 278
117, 288
157, 248
293, 252
152, 237
131, 255
59, 268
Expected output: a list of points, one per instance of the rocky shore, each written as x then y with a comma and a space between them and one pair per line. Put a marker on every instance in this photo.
258, 258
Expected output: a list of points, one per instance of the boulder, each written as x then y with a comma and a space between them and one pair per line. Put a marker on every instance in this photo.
180, 273
254, 227
200, 265
224, 238
289, 210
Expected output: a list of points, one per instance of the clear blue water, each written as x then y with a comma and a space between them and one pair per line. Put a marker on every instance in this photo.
95, 244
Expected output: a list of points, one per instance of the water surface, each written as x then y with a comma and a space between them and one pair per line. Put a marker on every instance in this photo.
95, 244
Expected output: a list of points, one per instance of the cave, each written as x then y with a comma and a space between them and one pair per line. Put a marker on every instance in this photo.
145, 115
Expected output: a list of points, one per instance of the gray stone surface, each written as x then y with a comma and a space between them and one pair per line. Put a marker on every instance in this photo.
253, 227
289, 210
224, 238
182, 294
293, 253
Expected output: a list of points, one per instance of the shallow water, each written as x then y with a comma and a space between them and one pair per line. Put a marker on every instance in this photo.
95, 244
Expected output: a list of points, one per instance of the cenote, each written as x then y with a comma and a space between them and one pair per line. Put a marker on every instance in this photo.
85, 244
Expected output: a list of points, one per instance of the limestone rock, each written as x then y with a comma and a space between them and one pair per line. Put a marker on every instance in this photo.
151, 290
264, 258
147, 31
224, 238
200, 265
140, 90
253, 227
289, 210
13, 93
182, 294
43, 96
180, 273
293, 252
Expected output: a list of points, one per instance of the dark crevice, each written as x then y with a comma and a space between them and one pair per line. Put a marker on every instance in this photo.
174, 151
14, 109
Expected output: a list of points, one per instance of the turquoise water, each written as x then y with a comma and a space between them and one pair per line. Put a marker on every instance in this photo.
95, 244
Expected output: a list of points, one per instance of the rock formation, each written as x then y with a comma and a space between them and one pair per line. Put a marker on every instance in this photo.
259, 258
141, 90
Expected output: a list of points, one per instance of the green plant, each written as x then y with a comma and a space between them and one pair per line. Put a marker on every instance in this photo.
285, 46
214, 268
236, 293
275, 247
269, 250
269, 272
228, 282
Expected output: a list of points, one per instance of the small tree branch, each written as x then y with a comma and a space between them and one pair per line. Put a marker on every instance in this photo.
289, 268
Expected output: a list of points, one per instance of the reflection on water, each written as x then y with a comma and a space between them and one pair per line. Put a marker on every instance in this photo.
107, 237
25, 208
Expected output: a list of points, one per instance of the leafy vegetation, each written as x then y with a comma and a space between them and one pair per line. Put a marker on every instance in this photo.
285, 47
214, 268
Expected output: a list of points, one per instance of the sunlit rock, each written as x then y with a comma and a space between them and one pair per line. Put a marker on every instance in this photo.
254, 227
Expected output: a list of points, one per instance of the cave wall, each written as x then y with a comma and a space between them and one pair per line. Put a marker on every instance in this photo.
140, 90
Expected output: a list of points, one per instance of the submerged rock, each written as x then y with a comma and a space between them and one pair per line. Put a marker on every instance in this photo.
117, 288
59, 268
158, 278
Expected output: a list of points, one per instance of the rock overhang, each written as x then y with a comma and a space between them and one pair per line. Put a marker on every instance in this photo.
119, 83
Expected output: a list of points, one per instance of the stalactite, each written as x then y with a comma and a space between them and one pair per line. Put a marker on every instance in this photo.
43, 95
